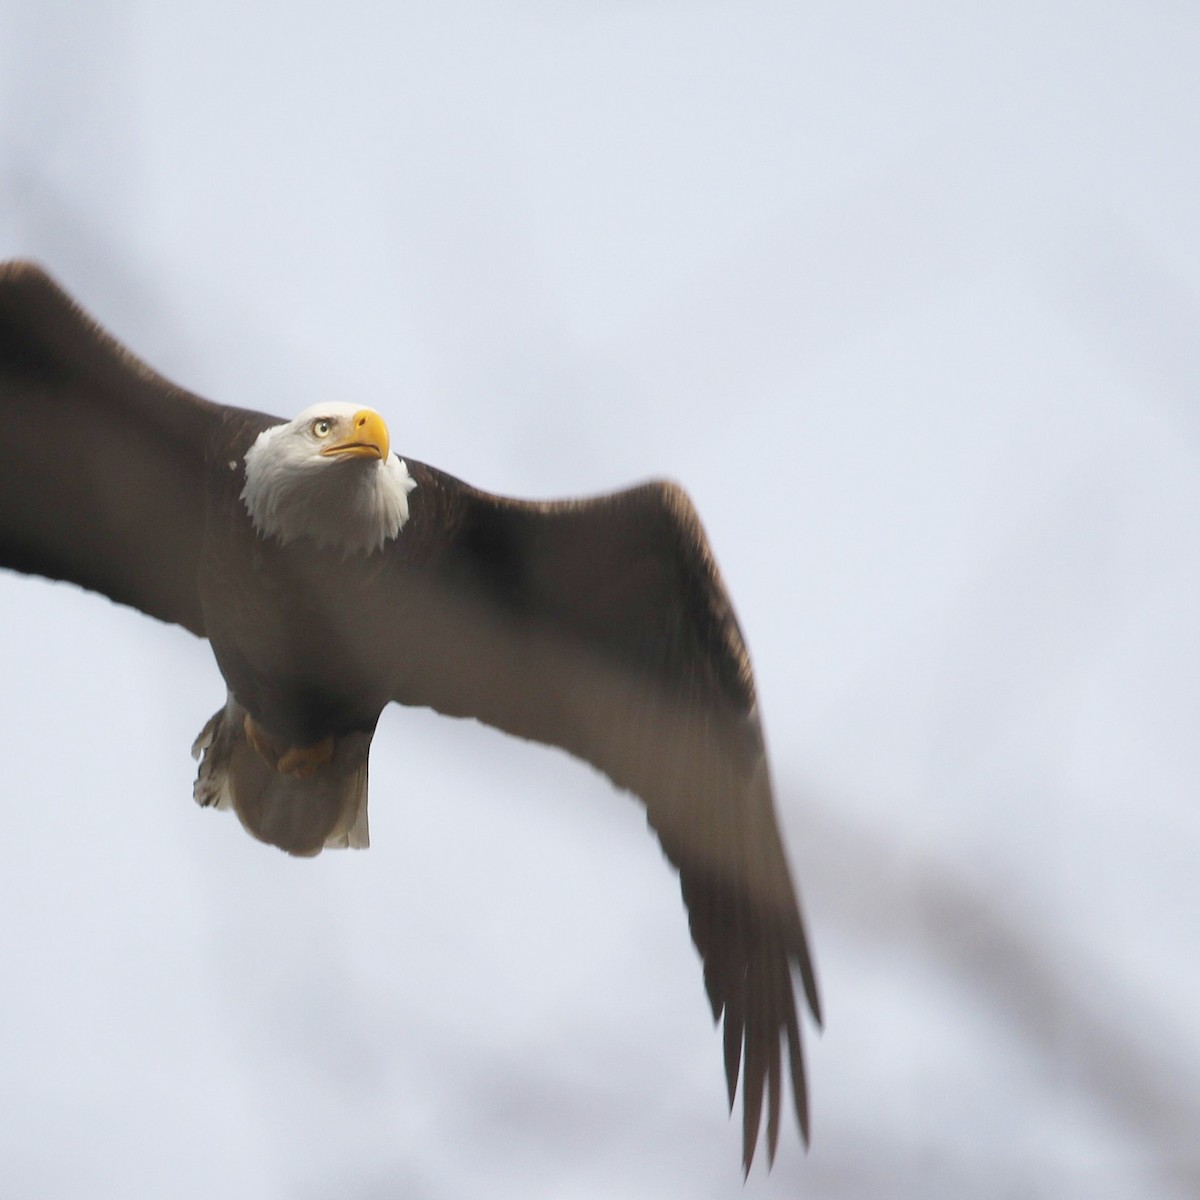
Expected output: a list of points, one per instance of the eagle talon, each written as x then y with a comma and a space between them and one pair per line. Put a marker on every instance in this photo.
303, 761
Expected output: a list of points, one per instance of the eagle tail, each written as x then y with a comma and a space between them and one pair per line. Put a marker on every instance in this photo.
326, 808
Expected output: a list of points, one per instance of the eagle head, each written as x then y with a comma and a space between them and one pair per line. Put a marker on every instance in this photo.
328, 475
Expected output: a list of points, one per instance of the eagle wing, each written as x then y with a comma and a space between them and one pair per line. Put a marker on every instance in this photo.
102, 461
602, 626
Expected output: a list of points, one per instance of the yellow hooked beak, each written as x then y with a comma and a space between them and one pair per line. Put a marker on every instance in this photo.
367, 438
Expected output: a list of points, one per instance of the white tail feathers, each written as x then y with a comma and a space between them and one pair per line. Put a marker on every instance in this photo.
302, 816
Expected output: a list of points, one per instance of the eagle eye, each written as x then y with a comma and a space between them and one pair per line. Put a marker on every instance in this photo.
322, 427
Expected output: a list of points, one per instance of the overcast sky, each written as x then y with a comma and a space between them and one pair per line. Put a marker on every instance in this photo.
908, 297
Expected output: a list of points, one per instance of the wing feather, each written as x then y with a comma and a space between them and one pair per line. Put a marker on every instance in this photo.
102, 459
603, 627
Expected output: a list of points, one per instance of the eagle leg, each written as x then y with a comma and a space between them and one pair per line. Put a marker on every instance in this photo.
260, 739
303, 761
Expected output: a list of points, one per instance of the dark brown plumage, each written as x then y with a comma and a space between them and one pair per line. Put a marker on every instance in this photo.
601, 626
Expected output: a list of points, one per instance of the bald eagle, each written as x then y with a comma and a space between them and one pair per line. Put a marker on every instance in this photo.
332, 577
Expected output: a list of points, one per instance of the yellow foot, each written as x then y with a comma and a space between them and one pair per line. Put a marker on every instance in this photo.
299, 761
302, 761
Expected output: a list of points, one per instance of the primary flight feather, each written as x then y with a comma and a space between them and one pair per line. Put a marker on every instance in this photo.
332, 577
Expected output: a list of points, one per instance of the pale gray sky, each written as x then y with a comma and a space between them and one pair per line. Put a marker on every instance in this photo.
908, 297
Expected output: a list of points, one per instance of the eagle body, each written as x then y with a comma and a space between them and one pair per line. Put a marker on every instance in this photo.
267, 613
332, 578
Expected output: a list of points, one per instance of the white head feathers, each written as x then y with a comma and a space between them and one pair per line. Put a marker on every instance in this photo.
328, 475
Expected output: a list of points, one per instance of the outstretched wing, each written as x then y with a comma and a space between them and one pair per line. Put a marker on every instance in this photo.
603, 627
101, 460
